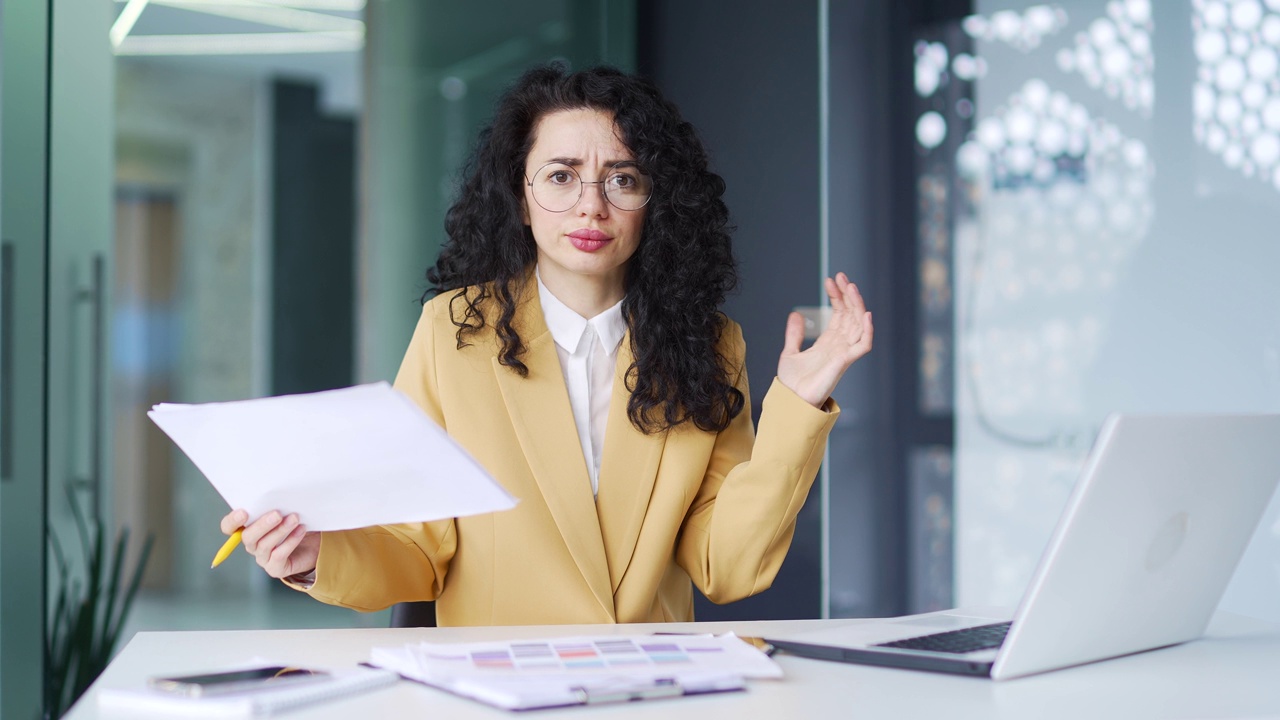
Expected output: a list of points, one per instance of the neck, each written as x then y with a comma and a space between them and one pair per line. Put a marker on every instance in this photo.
587, 295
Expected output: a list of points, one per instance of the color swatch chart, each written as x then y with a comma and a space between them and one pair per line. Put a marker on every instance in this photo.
626, 654
577, 655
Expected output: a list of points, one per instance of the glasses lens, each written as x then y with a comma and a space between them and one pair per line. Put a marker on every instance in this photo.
627, 188
557, 187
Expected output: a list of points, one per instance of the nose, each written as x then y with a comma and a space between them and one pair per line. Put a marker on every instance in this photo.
593, 202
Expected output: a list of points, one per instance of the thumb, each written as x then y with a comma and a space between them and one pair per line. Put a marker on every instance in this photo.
795, 334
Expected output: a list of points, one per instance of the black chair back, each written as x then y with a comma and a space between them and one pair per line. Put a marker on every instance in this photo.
413, 614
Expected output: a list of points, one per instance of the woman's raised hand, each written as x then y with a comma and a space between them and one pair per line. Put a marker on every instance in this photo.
281, 545
813, 374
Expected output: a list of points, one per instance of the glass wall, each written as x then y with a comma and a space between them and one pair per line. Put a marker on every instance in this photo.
1111, 170
23, 170
275, 211
242, 200
205, 116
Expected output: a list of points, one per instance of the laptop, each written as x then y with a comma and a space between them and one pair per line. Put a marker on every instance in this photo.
1149, 538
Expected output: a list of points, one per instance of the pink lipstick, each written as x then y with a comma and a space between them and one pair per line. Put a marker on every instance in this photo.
588, 239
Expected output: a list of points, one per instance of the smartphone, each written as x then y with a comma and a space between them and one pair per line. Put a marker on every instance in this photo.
232, 681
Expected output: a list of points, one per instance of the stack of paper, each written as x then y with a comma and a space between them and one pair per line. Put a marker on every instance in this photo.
340, 459
530, 674
147, 702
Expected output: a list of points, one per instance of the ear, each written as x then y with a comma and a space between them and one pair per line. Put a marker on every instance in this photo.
524, 211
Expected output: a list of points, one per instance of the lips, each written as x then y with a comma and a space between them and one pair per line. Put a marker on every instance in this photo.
588, 239
589, 234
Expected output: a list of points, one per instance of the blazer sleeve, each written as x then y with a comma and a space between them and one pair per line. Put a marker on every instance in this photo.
375, 567
740, 524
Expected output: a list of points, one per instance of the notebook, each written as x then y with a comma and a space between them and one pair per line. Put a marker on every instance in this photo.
122, 703
1139, 560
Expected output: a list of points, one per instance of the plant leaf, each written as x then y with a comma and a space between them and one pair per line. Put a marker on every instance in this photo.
82, 525
111, 590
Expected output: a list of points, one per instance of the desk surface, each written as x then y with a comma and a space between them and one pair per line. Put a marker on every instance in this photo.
1232, 672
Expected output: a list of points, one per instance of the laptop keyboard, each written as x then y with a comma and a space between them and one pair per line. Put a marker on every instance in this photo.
962, 641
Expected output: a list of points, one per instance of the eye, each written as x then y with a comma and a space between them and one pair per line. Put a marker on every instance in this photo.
623, 181
558, 176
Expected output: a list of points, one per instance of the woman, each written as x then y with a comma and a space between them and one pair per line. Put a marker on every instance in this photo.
572, 342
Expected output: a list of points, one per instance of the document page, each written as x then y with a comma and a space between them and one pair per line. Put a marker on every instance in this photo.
341, 459
632, 655
529, 674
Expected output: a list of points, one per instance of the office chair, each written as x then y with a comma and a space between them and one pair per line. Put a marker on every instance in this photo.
413, 614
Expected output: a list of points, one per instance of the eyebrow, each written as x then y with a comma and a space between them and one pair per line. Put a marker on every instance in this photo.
577, 162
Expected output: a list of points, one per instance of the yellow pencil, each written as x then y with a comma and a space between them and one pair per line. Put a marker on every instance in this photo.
227, 547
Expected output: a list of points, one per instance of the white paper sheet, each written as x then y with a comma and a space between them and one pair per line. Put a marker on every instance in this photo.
341, 459
551, 672
140, 702
607, 655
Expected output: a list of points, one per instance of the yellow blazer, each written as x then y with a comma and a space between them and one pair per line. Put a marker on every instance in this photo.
678, 505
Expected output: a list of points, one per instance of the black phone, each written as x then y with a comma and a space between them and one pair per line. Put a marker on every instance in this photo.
231, 681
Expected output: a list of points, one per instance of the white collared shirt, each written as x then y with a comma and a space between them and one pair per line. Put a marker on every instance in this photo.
588, 351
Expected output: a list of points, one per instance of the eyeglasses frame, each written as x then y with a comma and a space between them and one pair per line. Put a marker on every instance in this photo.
582, 187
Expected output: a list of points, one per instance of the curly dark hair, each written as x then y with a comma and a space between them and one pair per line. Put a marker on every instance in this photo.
674, 283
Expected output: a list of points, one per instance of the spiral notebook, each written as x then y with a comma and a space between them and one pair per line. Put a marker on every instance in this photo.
122, 703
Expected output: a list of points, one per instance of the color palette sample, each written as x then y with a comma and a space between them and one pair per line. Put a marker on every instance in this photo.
577, 654
544, 672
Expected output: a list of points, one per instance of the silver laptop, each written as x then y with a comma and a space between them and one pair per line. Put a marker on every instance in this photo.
1140, 558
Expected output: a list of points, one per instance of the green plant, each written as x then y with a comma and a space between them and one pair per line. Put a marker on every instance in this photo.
89, 610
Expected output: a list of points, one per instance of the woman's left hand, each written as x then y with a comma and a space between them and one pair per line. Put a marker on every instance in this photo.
813, 374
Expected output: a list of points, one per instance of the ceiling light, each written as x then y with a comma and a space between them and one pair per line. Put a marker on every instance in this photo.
124, 22
242, 44
330, 5
274, 15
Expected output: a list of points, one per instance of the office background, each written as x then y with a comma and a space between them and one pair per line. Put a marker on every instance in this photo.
1054, 210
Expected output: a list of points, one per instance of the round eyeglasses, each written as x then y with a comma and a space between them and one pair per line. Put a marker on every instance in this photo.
557, 188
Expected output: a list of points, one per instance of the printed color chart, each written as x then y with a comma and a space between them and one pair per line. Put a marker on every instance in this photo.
557, 656
627, 655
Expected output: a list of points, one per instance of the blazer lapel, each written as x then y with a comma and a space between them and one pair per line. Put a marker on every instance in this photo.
539, 408
628, 470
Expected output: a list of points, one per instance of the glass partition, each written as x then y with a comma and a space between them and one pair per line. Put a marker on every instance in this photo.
23, 170
1118, 168
242, 200
275, 211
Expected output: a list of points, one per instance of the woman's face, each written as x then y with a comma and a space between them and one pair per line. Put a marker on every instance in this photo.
593, 240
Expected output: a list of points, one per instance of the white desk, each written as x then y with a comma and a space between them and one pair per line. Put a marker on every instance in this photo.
1233, 672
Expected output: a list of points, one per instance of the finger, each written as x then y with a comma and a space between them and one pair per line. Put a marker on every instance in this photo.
278, 565
833, 293
835, 301
868, 333
794, 337
850, 297
854, 301
233, 521
271, 540
256, 530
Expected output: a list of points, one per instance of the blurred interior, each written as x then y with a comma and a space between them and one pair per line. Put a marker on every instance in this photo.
1055, 211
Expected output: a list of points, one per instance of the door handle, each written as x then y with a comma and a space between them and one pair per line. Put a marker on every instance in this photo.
94, 296
6, 361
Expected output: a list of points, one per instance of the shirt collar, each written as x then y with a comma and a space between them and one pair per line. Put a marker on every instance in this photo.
567, 326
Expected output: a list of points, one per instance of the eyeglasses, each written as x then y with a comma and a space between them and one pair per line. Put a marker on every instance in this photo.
557, 187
